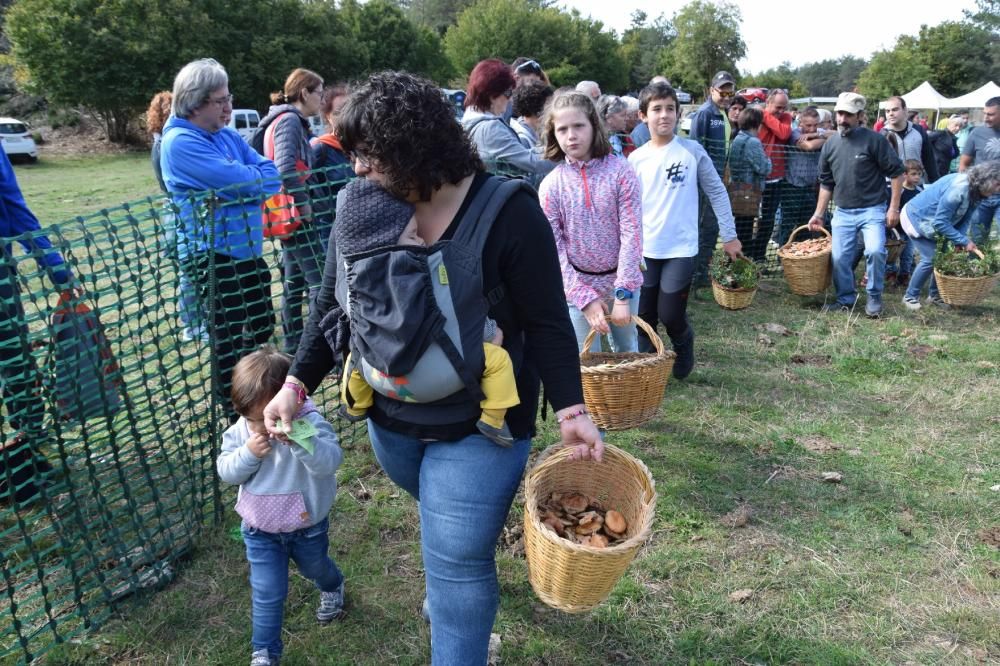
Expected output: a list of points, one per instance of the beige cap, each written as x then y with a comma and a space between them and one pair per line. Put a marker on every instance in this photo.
850, 102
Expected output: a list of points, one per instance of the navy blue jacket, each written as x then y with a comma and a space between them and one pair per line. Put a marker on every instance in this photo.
708, 127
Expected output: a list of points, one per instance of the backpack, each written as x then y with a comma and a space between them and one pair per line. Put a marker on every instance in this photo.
417, 316
279, 214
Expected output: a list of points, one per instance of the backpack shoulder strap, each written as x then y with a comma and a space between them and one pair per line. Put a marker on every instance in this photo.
475, 225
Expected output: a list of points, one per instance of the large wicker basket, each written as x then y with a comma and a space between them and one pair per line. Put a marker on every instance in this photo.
573, 577
732, 299
964, 290
806, 276
624, 389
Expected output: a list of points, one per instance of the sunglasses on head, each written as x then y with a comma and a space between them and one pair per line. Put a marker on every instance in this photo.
529, 65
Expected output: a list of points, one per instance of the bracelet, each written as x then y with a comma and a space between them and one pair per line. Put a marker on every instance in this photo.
571, 416
300, 390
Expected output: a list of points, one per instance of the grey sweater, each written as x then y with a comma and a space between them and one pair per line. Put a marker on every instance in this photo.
289, 489
854, 168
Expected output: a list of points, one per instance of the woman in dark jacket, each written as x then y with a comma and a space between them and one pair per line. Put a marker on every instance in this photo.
402, 134
331, 164
301, 251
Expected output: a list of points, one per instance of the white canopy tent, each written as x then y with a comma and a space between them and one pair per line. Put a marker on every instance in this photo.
923, 96
973, 99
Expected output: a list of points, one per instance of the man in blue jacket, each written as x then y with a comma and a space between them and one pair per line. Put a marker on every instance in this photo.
218, 182
22, 466
710, 127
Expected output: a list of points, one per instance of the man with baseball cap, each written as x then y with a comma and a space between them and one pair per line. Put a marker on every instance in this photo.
853, 166
710, 127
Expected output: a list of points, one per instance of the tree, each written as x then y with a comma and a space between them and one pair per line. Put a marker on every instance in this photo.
642, 46
894, 72
708, 40
567, 45
390, 40
437, 15
986, 16
109, 56
961, 56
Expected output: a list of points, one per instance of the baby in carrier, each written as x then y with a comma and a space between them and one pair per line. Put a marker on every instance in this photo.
376, 222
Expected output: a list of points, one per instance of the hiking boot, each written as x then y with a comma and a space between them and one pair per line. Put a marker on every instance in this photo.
28, 470
834, 307
911, 303
873, 308
684, 348
262, 657
331, 605
499, 436
938, 301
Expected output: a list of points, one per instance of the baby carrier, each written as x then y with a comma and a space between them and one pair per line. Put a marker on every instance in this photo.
417, 316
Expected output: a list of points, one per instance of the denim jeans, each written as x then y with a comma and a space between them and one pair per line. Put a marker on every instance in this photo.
847, 222
622, 338
303, 257
268, 555
982, 219
465, 489
925, 268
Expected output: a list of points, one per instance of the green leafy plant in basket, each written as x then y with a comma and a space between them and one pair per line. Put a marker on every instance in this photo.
949, 260
735, 274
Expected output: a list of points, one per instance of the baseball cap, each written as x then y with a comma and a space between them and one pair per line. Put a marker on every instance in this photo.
850, 102
722, 78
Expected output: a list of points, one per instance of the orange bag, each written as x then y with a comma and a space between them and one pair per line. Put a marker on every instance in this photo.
279, 214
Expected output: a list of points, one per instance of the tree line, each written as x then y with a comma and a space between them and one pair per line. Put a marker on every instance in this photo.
110, 56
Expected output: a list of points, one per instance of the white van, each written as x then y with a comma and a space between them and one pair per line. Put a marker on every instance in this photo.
245, 121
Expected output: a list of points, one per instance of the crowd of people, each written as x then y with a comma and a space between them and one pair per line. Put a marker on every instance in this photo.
448, 295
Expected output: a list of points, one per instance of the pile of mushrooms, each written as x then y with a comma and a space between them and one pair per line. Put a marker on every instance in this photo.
583, 520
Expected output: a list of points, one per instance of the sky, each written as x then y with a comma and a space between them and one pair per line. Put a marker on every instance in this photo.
801, 32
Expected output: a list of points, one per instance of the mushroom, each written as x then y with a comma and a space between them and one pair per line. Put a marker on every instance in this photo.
615, 522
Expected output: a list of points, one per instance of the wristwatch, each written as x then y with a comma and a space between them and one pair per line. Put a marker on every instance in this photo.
622, 294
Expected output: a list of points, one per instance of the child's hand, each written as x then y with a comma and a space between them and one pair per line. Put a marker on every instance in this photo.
498, 338
259, 445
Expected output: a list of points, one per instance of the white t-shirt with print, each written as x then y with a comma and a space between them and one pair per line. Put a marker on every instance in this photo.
670, 177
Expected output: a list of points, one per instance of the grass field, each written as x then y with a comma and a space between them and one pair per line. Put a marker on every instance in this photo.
754, 559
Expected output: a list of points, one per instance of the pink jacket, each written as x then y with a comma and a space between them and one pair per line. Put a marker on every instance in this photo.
595, 209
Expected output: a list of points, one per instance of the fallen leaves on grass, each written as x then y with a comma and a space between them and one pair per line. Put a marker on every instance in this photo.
819, 444
832, 477
906, 522
921, 351
990, 536
741, 596
810, 359
776, 329
738, 517
765, 340
937, 337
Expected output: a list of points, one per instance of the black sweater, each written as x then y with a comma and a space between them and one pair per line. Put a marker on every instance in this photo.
520, 253
855, 167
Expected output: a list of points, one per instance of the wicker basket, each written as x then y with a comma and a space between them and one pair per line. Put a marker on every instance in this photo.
964, 290
624, 389
894, 243
806, 276
569, 576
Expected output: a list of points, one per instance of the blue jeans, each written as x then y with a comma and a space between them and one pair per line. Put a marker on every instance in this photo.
925, 268
982, 219
622, 338
465, 489
847, 222
268, 555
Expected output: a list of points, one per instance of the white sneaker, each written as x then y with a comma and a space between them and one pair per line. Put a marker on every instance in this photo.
262, 657
911, 303
938, 301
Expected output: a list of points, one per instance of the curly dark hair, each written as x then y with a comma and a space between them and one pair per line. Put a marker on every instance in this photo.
409, 131
530, 98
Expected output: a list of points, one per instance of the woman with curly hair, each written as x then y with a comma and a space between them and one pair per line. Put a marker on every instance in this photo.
402, 135
192, 319
487, 99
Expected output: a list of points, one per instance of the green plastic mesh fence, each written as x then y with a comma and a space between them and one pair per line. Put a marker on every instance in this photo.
113, 400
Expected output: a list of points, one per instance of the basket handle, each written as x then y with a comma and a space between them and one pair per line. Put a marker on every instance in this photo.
791, 238
650, 333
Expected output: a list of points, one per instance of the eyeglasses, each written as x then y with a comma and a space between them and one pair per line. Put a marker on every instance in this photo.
221, 101
508, 93
529, 65
725, 94
364, 160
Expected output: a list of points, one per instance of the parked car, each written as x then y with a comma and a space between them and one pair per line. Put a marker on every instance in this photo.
245, 121
753, 95
316, 125
17, 140
686, 122
683, 97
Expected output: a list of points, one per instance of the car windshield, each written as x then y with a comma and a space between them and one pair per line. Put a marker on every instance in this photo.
12, 128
